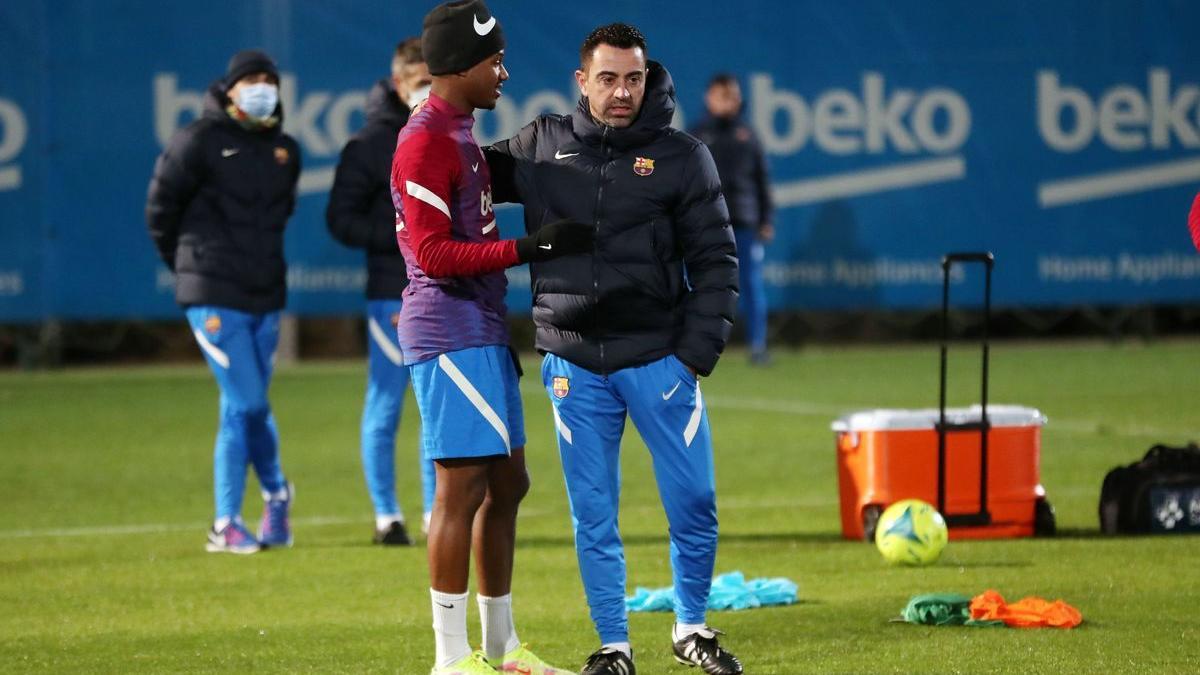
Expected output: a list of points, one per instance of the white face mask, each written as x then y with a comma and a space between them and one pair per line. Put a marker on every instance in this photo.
417, 95
258, 100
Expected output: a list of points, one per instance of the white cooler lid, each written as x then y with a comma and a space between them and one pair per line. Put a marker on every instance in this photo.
882, 419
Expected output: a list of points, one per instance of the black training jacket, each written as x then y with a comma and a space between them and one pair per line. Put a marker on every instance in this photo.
743, 170
654, 197
216, 208
360, 212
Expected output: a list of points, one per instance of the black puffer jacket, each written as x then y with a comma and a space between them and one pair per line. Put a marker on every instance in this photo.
217, 205
654, 197
360, 212
743, 170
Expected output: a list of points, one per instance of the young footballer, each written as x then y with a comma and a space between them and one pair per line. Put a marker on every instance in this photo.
453, 334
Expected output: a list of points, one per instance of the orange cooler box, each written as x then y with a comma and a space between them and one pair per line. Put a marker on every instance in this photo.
884, 456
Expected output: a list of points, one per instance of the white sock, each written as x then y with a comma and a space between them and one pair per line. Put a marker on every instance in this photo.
384, 522
682, 630
450, 627
277, 496
499, 633
623, 647
220, 523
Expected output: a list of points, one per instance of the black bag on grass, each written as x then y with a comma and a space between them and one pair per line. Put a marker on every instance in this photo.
1159, 494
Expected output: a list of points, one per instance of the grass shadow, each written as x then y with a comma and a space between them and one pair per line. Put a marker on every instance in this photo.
975, 565
643, 539
1088, 533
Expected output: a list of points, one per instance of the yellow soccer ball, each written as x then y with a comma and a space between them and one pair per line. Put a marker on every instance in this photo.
911, 532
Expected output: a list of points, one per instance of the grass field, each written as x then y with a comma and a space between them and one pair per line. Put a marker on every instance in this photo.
105, 492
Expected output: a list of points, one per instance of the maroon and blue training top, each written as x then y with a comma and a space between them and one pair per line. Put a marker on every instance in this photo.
447, 233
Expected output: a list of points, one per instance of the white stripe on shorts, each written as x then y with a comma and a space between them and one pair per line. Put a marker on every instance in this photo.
475, 398
212, 350
385, 345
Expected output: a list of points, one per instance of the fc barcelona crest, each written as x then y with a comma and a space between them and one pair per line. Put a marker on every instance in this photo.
282, 156
212, 324
643, 166
561, 386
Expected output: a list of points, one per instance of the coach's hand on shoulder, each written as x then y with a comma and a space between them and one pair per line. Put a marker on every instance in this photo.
554, 240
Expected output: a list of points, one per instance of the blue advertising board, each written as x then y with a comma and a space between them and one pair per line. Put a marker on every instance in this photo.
1064, 137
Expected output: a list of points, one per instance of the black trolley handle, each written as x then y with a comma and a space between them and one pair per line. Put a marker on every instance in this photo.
983, 517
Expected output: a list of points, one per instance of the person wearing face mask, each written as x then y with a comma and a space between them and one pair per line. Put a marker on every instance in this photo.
361, 215
220, 196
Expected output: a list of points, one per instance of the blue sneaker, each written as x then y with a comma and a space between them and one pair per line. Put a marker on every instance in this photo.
233, 537
275, 528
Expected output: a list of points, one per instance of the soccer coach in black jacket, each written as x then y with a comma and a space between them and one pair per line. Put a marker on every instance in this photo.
628, 328
361, 215
219, 200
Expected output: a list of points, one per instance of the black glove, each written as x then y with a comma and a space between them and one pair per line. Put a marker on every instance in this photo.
554, 240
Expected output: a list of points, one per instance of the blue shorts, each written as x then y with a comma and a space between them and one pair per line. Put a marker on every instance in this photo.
470, 403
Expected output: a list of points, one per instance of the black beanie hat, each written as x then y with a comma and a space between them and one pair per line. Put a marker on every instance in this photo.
246, 62
458, 35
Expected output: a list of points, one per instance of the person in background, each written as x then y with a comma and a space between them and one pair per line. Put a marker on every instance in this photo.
218, 202
361, 215
747, 189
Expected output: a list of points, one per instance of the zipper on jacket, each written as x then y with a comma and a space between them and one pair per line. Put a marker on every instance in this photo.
595, 271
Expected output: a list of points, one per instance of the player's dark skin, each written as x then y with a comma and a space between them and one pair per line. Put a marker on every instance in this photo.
475, 504
478, 87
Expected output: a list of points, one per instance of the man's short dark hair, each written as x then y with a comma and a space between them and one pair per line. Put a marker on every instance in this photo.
409, 51
619, 35
722, 80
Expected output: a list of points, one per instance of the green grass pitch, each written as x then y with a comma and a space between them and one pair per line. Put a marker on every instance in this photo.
105, 492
